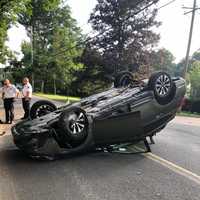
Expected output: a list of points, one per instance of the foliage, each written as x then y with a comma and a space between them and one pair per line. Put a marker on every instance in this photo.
196, 56
191, 106
55, 36
124, 33
92, 78
8, 15
194, 80
163, 60
180, 68
181, 65
188, 114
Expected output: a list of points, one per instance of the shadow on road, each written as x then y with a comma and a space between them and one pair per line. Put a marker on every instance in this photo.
15, 156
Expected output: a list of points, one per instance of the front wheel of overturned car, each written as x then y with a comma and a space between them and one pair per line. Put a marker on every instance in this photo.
163, 87
41, 108
75, 130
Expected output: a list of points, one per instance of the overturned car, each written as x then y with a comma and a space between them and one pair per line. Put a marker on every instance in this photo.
126, 113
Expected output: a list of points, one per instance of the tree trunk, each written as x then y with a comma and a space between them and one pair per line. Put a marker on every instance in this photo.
42, 87
54, 86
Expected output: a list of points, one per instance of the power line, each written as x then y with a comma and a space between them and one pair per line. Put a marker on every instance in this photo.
167, 4
195, 9
184, 7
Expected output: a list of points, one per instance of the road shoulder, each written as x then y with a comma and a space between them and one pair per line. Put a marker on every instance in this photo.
191, 121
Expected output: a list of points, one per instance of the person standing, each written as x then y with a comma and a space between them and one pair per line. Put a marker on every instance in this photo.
9, 93
26, 99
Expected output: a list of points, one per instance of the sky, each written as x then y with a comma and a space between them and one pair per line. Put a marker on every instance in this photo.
174, 30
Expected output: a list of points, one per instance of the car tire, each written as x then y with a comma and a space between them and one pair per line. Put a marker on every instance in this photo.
123, 79
41, 108
163, 87
75, 130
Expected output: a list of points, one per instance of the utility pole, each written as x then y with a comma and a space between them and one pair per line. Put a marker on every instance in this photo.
190, 39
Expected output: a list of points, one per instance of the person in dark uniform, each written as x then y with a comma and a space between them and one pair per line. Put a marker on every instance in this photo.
26, 99
9, 93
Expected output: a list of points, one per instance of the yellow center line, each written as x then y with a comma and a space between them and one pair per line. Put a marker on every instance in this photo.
175, 168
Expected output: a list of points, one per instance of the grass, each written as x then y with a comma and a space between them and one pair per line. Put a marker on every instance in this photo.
188, 114
57, 97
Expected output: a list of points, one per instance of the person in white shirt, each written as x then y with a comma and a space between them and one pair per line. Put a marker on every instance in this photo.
27, 95
9, 93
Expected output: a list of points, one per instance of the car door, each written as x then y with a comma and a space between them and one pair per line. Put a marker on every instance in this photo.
121, 125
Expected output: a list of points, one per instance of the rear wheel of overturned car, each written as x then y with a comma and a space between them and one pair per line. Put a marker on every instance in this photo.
41, 108
123, 79
75, 130
163, 87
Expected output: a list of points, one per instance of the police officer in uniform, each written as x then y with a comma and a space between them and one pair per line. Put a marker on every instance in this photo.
9, 93
26, 99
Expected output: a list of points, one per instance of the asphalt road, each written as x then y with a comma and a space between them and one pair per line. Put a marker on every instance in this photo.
104, 175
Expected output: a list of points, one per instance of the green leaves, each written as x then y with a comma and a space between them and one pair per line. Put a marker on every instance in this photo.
55, 35
163, 60
126, 28
9, 10
194, 80
193, 75
49, 5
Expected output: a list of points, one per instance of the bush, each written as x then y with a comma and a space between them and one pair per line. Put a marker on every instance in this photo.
192, 106
195, 107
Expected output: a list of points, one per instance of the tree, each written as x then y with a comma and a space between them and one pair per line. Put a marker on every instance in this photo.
54, 35
194, 80
196, 56
163, 60
181, 65
180, 68
92, 78
8, 15
125, 32
66, 46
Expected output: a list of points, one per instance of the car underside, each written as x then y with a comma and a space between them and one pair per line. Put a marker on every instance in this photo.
128, 112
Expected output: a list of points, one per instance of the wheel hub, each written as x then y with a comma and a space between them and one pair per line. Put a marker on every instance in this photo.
77, 123
163, 85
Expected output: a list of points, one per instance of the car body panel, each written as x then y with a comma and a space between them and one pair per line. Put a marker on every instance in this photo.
118, 128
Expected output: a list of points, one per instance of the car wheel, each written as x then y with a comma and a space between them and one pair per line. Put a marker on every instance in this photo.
163, 87
123, 79
41, 108
75, 130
